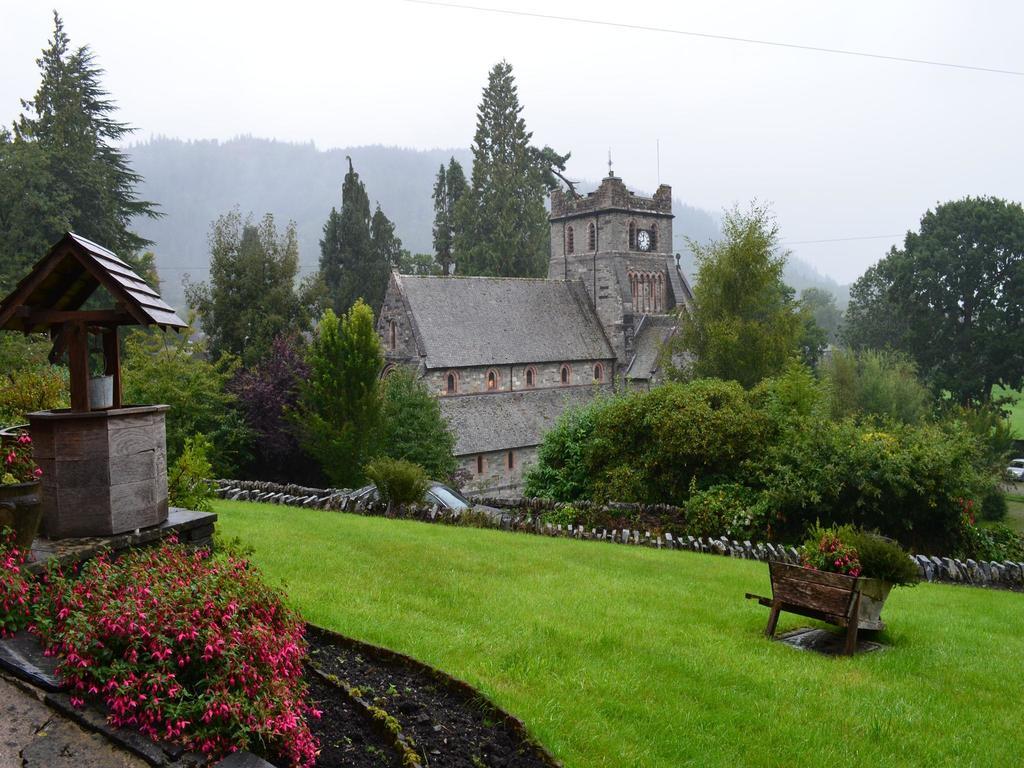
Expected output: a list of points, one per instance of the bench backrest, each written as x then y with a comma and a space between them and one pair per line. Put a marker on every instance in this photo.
832, 593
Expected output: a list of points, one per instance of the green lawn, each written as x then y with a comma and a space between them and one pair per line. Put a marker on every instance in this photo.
620, 656
1015, 512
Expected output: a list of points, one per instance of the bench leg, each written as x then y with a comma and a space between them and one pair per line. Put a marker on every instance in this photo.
851, 628
773, 620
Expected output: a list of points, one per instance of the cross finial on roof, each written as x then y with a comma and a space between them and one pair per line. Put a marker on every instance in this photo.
610, 173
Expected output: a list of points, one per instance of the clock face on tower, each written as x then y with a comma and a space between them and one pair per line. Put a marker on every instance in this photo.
643, 240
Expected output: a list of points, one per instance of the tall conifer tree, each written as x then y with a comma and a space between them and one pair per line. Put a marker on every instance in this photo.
357, 248
449, 187
501, 222
71, 120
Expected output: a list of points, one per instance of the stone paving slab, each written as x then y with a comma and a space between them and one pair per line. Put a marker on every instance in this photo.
34, 736
824, 642
23, 657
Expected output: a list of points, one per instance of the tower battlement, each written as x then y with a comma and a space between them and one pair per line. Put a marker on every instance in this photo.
612, 195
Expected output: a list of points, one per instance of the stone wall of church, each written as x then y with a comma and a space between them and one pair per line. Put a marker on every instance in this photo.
473, 380
496, 477
394, 311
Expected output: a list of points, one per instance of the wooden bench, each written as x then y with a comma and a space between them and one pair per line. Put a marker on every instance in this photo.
830, 597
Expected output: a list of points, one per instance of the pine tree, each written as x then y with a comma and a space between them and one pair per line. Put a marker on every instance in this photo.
386, 254
250, 298
71, 121
347, 259
339, 408
449, 187
501, 222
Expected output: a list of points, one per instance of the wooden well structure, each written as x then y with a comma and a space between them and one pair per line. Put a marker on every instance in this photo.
104, 463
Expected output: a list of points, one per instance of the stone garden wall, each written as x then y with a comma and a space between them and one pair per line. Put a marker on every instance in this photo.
524, 515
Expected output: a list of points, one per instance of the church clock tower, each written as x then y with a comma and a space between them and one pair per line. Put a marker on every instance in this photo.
620, 246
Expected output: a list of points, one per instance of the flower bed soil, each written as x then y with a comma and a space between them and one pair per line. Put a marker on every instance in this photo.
345, 734
447, 723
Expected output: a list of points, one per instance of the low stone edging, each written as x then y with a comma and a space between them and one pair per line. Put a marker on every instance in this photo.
523, 515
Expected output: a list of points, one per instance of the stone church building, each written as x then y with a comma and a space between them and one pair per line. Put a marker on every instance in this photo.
506, 356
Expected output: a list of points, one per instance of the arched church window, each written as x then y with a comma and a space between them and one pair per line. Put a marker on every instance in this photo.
632, 235
511, 460
492, 380
591, 237
393, 334
570, 241
531, 376
452, 383
480, 464
654, 237
566, 375
659, 296
388, 370
598, 372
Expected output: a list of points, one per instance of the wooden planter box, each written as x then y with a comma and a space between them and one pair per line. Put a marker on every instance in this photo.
104, 472
848, 602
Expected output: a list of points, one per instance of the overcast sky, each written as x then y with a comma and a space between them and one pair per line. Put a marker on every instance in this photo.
842, 146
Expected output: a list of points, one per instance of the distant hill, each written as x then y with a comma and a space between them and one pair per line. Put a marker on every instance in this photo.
196, 181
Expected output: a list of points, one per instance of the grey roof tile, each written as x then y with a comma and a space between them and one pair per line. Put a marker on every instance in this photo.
497, 422
468, 321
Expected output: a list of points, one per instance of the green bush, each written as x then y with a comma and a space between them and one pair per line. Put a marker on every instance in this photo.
398, 481
649, 446
861, 553
882, 558
992, 542
907, 482
728, 509
561, 470
993, 504
412, 425
188, 481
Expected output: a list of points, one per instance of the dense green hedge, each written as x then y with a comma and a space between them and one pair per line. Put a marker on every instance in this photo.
770, 462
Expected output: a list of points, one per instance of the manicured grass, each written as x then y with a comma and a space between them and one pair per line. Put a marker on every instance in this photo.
620, 656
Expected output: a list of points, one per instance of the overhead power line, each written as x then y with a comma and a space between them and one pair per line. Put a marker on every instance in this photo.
842, 239
710, 36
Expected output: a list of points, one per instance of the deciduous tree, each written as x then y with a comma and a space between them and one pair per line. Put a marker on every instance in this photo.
250, 298
952, 298
744, 324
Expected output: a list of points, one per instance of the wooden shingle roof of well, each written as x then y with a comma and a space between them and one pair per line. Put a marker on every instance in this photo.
61, 282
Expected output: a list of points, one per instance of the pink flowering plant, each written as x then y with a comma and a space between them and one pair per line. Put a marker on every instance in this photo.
15, 588
18, 466
184, 647
825, 550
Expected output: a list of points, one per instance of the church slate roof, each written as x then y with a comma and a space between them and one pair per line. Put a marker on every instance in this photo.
497, 422
476, 321
655, 330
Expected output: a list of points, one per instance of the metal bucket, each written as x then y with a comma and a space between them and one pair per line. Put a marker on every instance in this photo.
101, 392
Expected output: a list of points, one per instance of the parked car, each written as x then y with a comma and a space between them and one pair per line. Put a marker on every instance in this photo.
1015, 471
438, 495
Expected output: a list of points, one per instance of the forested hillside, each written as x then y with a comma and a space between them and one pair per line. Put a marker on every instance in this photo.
195, 181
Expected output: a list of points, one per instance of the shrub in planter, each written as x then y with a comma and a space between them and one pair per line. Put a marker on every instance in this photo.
846, 549
15, 591
398, 481
184, 647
